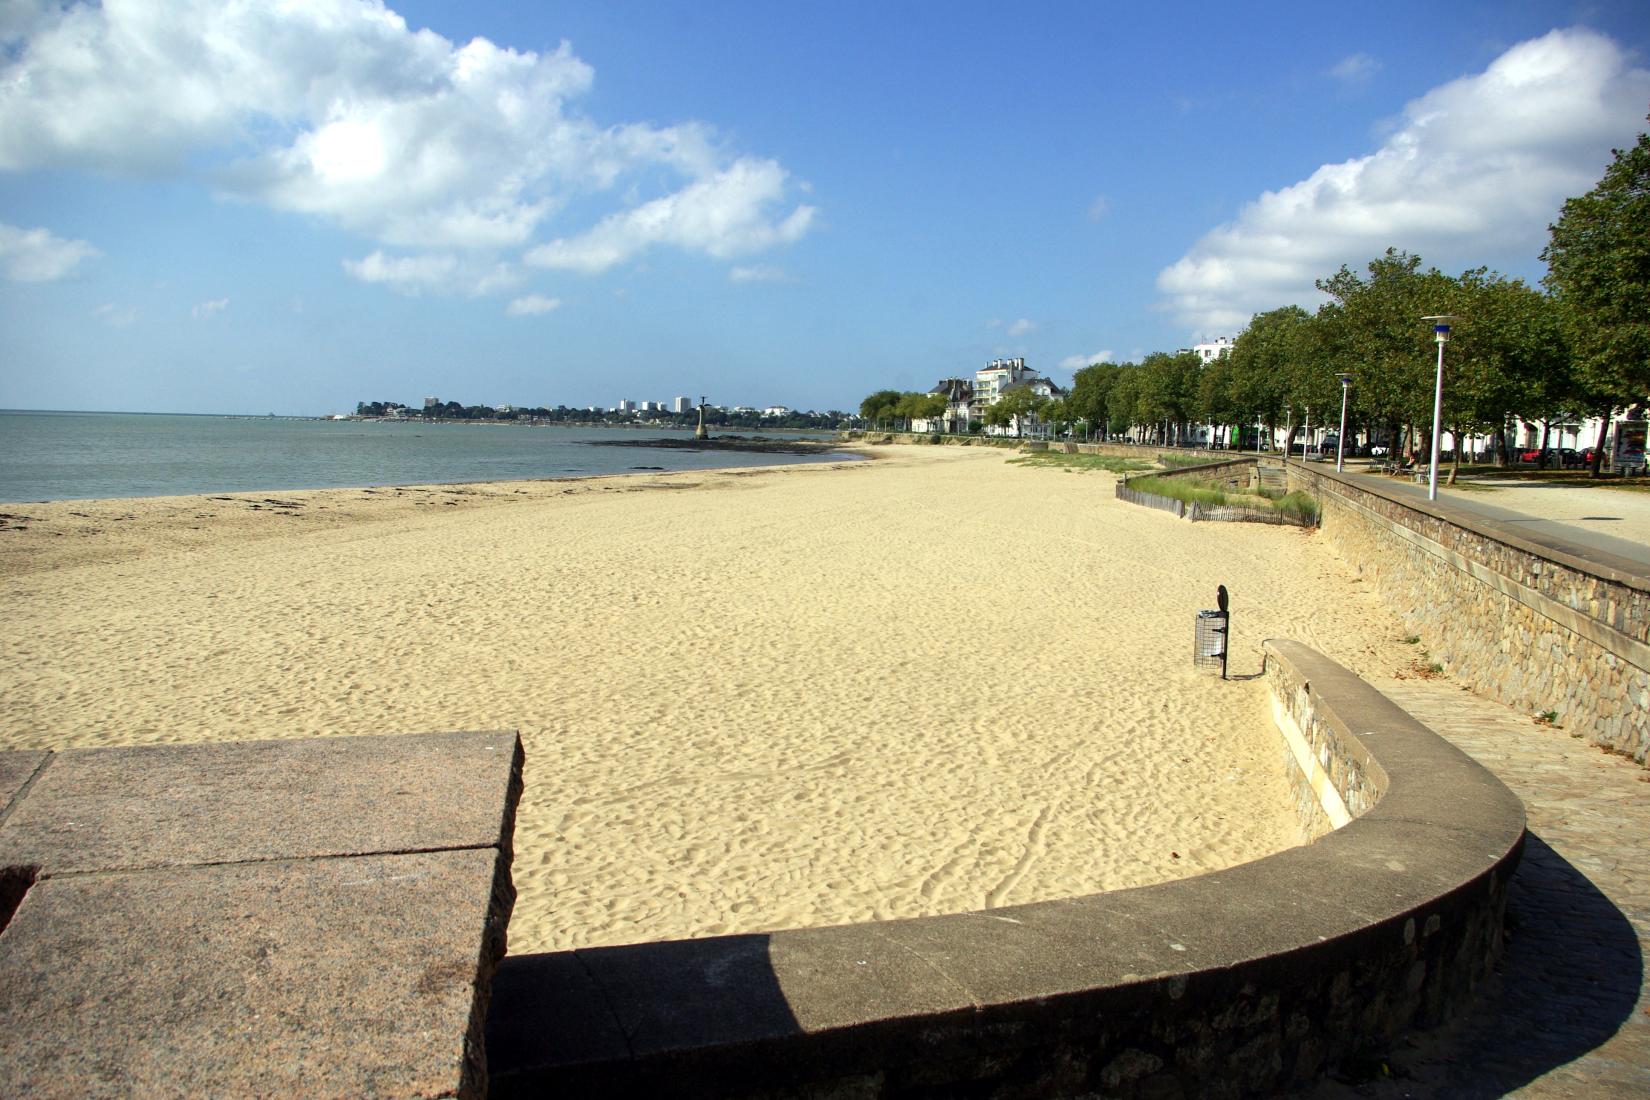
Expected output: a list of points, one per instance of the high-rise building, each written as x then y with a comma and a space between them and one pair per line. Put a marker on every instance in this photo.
683, 405
627, 406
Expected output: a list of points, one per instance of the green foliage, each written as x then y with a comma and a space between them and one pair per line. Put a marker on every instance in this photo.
1017, 406
1301, 507
1109, 463
1298, 506
1176, 489
1598, 270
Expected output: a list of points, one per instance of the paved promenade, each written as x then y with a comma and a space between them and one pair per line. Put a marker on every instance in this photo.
1567, 1013
1597, 522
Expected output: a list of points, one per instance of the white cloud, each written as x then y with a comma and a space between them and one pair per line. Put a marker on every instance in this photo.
759, 273
207, 309
1473, 174
434, 273
532, 305
38, 255
1078, 362
335, 108
724, 215
1357, 68
1099, 208
115, 316
1022, 326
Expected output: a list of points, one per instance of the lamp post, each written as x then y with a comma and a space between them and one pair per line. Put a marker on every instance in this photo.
1340, 440
1440, 333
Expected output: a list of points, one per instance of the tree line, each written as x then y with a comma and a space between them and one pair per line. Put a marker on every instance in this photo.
1577, 346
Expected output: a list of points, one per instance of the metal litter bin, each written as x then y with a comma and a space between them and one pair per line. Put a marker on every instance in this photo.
1210, 650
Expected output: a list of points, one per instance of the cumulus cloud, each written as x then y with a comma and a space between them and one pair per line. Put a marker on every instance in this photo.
532, 305
1078, 362
207, 309
337, 109
38, 255
1022, 326
1358, 68
1473, 173
724, 215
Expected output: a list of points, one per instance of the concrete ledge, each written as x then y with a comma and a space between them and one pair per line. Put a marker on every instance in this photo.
257, 919
1243, 982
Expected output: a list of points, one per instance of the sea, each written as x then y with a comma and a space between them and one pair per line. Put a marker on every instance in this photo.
90, 455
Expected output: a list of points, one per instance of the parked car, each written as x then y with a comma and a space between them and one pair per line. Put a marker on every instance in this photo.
1535, 454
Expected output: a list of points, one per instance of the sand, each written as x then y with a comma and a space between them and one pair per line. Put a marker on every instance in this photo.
809, 695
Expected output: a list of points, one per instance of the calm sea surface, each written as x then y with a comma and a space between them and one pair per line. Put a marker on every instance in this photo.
80, 456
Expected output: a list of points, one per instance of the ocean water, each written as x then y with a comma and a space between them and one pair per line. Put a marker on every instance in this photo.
81, 456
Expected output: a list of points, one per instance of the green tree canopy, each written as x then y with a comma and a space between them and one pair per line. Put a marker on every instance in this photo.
1598, 270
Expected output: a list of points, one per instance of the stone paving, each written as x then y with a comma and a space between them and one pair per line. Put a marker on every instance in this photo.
256, 918
1567, 1013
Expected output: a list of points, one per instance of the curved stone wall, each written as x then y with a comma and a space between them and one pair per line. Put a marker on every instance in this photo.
1242, 982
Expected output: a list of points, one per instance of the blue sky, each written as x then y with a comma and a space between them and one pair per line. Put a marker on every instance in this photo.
217, 207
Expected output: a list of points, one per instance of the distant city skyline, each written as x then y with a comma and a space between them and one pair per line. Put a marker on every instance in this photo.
208, 207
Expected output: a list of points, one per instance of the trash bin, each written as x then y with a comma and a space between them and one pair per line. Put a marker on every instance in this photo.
1210, 649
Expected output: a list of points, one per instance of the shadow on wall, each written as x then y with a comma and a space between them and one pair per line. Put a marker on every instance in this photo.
1569, 980
676, 995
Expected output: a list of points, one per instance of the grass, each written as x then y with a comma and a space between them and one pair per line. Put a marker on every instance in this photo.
1302, 507
1060, 460
1188, 491
1175, 462
1298, 505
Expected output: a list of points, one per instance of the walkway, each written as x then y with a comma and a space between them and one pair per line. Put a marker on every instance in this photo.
1572, 519
1567, 1013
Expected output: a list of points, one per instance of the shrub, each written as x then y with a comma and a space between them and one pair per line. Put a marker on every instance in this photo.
1175, 489
1298, 506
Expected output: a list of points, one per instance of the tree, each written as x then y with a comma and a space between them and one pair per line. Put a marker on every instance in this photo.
880, 405
1598, 270
1263, 358
1017, 405
1091, 393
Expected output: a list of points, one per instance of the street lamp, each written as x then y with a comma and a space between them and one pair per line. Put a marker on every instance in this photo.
1440, 332
1340, 440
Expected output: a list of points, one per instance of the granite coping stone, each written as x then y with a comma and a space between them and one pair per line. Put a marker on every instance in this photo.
125, 808
345, 977
17, 767
258, 919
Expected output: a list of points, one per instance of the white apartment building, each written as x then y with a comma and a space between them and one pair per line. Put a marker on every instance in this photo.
776, 410
626, 405
1219, 348
683, 405
999, 377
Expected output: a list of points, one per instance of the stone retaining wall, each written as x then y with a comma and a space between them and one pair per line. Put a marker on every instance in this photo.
1534, 628
1245, 982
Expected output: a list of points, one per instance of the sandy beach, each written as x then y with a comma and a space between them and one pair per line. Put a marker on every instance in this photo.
935, 682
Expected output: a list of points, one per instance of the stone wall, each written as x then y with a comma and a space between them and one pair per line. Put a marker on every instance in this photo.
1332, 774
1534, 628
1250, 981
